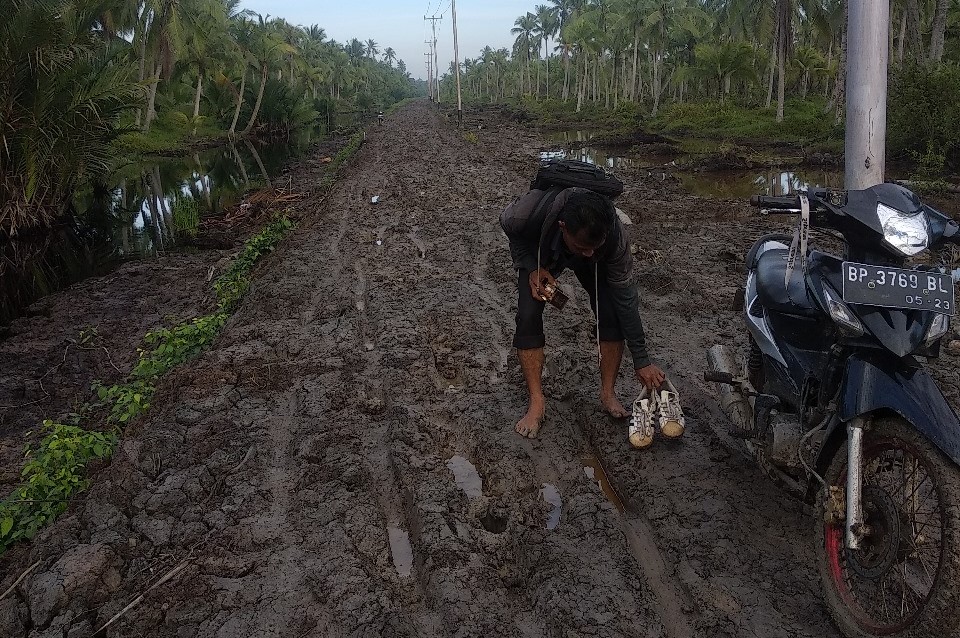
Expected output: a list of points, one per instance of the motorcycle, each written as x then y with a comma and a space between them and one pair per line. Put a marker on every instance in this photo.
832, 401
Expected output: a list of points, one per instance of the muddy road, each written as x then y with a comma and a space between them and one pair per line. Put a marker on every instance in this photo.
343, 461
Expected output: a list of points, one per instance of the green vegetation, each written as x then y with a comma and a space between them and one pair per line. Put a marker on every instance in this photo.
923, 117
56, 469
803, 122
233, 284
340, 158
85, 82
747, 70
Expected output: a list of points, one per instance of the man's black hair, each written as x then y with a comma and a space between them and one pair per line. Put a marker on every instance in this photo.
590, 213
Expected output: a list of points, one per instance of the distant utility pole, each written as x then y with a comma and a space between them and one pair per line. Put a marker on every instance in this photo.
456, 61
429, 69
868, 24
433, 22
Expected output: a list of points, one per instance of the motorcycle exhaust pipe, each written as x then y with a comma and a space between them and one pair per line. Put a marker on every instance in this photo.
736, 406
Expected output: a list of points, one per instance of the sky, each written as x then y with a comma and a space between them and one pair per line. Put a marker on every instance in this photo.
400, 24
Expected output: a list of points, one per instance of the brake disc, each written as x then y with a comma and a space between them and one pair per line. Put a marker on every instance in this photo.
880, 549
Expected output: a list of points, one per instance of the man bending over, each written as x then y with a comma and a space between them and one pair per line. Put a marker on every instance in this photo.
578, 230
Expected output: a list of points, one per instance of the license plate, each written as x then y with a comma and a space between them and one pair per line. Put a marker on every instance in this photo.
897, 288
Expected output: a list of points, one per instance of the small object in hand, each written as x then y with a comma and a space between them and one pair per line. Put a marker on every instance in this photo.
555, 296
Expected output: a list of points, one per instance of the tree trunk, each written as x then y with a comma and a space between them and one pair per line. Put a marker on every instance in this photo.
152, 99
781, 79
636, 54
566, 73
903, 38
773, 71
838, 101
939, 30
256, 106
913, 27
546, 47
142, 62
196, 100
236, 112
538, 72
826, 81
582, 83
656, 82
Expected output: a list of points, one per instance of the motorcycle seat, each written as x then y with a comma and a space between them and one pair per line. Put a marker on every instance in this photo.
791, 299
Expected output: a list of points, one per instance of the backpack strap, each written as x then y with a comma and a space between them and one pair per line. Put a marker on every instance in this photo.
542, 207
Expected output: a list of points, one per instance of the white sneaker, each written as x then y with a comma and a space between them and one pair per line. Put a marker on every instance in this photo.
640, 431
671, 418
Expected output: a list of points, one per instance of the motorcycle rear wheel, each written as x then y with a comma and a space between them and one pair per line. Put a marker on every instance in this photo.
905, 579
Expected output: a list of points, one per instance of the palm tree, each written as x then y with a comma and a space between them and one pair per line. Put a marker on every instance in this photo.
809, 62
316, 33
783, 45
389, 55
372, 50
160, 41
59, 118
524, 27
547, 24
201, 44
266, 46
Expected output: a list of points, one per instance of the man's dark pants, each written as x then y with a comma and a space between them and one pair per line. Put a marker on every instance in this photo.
529, 333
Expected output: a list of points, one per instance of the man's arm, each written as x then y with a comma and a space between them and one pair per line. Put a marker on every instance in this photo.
514, 221
626, 303
626, 299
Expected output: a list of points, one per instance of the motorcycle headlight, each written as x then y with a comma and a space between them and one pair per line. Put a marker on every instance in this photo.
842, 315
908, 233
938, 328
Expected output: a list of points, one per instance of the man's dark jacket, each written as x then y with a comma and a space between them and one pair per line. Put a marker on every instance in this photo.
530, 227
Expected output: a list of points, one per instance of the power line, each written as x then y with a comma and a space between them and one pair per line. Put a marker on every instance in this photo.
438, 9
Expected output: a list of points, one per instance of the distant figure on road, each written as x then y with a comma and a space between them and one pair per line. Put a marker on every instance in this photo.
579, 230
380, 117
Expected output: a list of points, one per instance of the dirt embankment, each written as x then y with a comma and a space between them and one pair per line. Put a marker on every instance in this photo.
343, 462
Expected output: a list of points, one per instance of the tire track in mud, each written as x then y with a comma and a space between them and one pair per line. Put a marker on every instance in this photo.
372, 348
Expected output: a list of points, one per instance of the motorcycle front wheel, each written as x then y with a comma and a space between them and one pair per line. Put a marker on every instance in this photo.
904, 581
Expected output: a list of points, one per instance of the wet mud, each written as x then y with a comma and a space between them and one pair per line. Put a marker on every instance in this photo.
343, 462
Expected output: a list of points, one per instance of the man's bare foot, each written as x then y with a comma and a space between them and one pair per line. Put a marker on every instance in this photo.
613, 407
529, 425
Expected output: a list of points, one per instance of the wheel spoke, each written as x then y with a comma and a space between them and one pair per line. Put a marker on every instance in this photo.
903, 560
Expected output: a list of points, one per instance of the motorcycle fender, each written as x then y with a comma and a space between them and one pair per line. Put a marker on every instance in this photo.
910, 392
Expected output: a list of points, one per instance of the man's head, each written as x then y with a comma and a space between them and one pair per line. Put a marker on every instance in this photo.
585, 221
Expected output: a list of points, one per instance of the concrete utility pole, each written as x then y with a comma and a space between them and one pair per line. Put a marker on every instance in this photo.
429, 69
436, 63
868, 22
456, 61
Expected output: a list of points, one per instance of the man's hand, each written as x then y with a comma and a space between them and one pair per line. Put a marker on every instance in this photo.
650, 376
538, 279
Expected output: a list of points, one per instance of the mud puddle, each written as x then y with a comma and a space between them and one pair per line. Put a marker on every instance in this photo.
400, 549
466, 476
595, 472
551, 495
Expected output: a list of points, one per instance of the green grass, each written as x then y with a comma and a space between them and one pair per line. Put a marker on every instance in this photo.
804, 123
56, 470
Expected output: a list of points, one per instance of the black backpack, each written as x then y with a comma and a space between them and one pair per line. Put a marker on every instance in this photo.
566, 173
